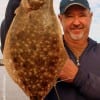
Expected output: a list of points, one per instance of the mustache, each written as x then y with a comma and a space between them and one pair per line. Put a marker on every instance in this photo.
77, 27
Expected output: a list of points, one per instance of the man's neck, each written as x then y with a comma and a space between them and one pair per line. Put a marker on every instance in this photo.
77, 47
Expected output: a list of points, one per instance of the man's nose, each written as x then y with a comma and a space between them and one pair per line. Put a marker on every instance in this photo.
76, 21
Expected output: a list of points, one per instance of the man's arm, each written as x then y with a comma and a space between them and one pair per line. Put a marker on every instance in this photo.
86, 82
9, 15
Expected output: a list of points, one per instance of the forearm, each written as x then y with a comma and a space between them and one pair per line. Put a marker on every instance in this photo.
88, 84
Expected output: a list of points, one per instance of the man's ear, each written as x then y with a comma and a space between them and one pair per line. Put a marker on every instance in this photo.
60, 17
91, 15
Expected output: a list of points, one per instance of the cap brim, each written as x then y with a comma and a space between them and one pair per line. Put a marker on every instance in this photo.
75, 4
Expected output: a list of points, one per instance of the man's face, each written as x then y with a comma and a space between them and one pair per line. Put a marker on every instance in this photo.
76, 22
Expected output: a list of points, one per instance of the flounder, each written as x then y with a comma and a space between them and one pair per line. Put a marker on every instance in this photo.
34, 53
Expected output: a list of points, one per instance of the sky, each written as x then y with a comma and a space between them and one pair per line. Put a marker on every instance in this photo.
95, 7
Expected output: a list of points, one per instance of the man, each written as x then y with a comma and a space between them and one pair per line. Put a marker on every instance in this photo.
83, 78
80, 77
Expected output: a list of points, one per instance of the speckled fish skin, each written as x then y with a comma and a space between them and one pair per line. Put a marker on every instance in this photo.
34, 53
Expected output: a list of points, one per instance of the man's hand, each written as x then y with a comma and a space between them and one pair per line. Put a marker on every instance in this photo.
69, 71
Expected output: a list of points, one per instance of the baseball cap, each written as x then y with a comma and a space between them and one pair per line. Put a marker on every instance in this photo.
64, 4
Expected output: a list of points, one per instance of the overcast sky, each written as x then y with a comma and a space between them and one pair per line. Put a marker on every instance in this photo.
95, 5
